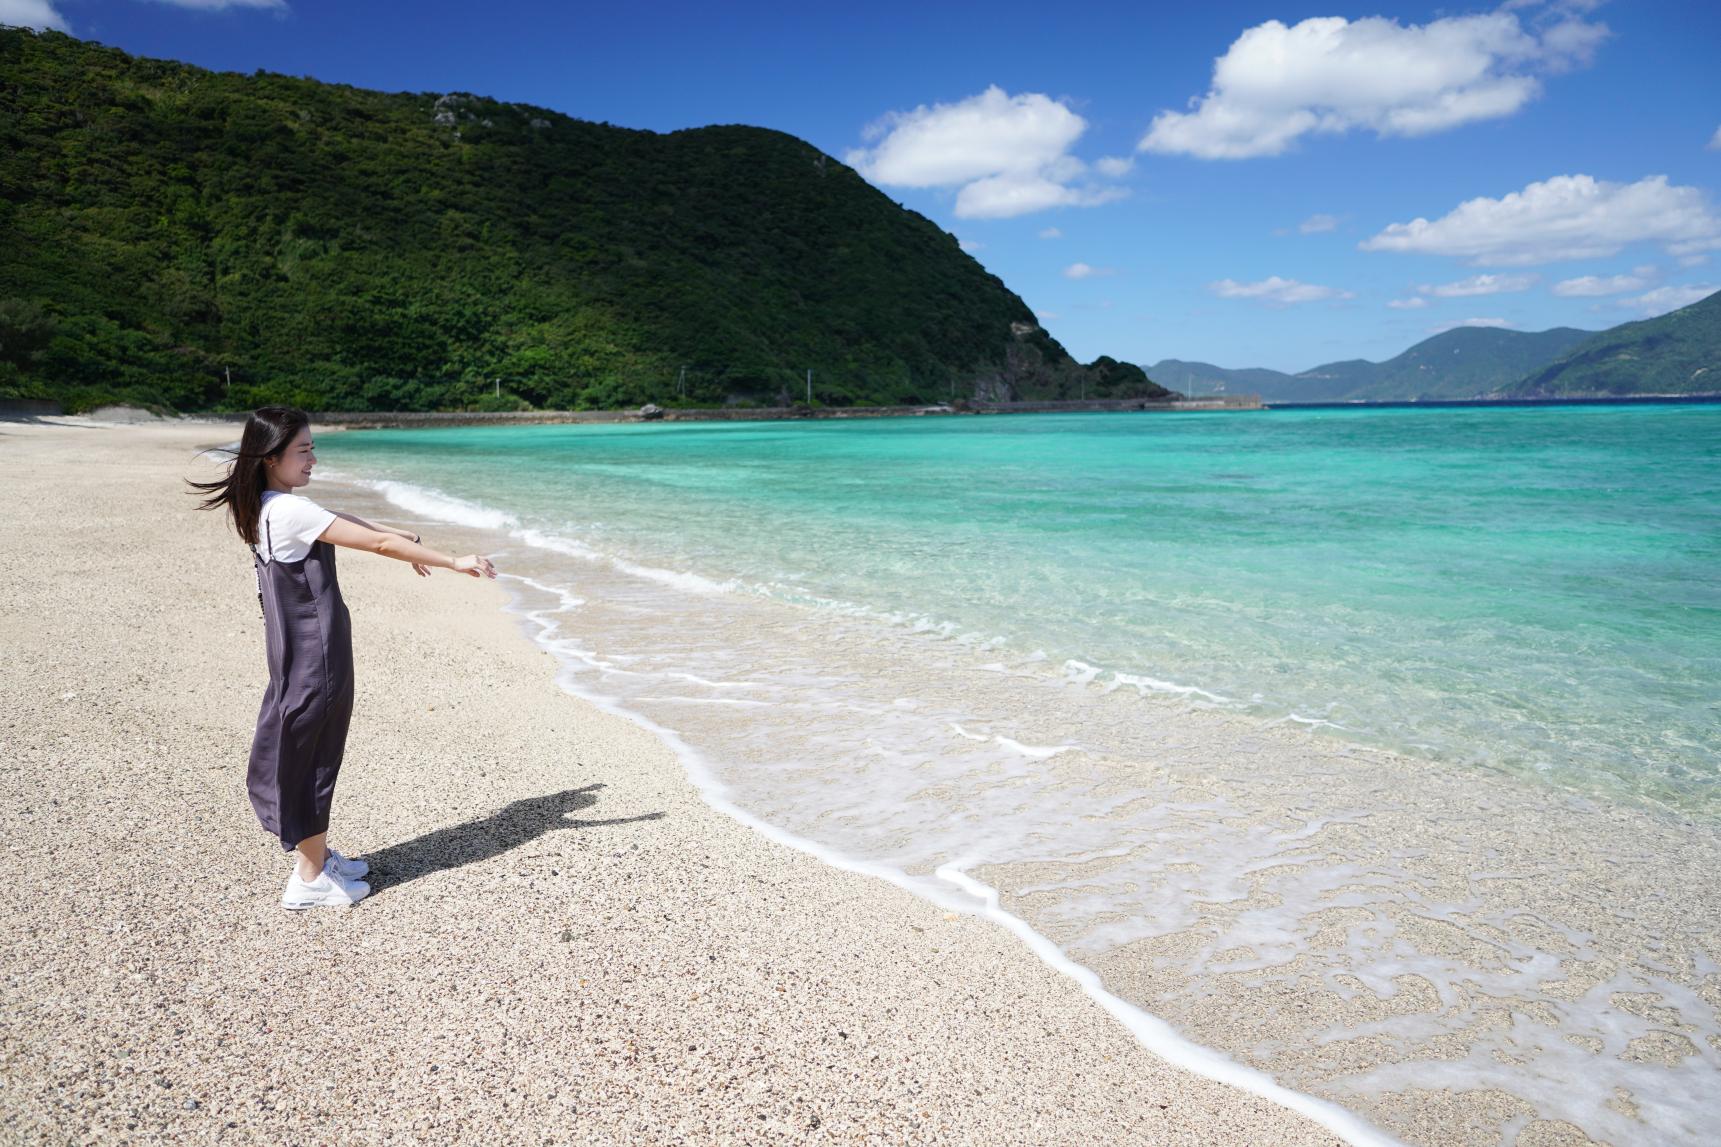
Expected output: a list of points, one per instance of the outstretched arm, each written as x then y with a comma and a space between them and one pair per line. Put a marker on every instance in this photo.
342, 532
358, 521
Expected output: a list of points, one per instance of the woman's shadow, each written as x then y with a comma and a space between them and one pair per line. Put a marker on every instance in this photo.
507, 828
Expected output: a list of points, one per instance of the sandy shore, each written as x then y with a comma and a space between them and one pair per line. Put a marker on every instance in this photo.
565, 945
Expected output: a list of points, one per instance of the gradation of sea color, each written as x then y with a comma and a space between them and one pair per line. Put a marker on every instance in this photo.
849, 620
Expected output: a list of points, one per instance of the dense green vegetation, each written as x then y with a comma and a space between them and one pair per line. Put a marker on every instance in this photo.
1678, 353
197, 240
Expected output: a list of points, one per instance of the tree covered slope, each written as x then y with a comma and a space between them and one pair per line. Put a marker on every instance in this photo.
1677, 353
164, 228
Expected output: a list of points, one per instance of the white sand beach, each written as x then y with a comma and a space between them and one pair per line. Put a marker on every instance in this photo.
565, 944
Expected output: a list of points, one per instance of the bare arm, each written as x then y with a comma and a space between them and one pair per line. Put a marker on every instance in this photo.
358, 521
344, 532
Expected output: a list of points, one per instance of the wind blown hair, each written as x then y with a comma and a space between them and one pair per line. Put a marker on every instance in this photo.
268, 432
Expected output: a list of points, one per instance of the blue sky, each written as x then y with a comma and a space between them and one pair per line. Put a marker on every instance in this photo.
1234, 183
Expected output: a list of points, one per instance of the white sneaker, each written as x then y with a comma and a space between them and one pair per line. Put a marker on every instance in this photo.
327, 890
347, 867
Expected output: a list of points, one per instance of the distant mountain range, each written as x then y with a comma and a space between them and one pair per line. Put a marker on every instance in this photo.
1678, 353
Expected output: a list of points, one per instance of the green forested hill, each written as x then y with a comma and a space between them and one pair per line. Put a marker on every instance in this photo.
162, 226
1677, 353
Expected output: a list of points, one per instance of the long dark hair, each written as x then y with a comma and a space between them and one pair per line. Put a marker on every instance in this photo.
268, 432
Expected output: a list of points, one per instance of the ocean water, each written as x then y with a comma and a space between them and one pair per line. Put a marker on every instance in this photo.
1126, 679
1532, 590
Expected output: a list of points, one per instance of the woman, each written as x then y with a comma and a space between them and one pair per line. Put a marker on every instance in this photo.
302, 726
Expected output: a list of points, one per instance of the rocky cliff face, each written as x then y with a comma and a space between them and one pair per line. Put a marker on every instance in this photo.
1034, 367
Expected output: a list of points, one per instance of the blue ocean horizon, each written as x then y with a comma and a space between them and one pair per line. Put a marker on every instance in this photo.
1527, 589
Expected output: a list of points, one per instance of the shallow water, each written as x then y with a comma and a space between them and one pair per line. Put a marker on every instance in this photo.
1128, 671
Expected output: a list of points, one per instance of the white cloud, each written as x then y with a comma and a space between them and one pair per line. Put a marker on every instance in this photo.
1047, 315
1480, 285
1051, 233
1315, 224
1008, 154
1592, 286
1330, 75
1502, 324
1566, 217
1715, 140
1413, 303
1693, 260
1276, 292
1664, 299
989, 134
218, 5
1083, 271
1004, 196
37, 14
1116, 166
971, 245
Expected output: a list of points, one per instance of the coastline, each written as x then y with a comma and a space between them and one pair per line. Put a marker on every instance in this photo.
1460, 955
648, 970
424, 420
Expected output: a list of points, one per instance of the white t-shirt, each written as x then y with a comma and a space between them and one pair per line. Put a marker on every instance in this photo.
292, 522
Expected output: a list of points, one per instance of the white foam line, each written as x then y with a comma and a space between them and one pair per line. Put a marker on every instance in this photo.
1034, 751
569, 601
427, 501
709, 701
433, 503
1311, 722
1151, 1032
1161, 1038
710, 684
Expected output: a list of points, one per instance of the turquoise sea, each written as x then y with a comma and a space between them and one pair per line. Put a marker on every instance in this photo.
1377, 749
1536, 590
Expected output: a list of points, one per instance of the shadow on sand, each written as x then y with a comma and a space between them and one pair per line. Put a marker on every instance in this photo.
507, 828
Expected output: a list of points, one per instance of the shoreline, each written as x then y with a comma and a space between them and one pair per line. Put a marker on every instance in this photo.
1498, 896
32, 410
515, 972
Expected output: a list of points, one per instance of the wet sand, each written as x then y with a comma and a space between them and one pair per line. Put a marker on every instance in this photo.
565, 943
1463, 956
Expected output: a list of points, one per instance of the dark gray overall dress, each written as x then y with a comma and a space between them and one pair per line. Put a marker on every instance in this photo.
302, 726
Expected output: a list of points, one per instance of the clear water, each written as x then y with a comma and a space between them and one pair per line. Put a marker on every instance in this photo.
1124, 678
1534, 590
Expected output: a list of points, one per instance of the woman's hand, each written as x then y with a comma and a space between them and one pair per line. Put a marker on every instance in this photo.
417, 567
475, 564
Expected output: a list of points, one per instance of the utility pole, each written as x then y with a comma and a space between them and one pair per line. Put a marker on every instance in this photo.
809, 386
498, 388
228, 371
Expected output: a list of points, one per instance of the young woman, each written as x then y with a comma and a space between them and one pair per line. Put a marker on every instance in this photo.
302, 727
